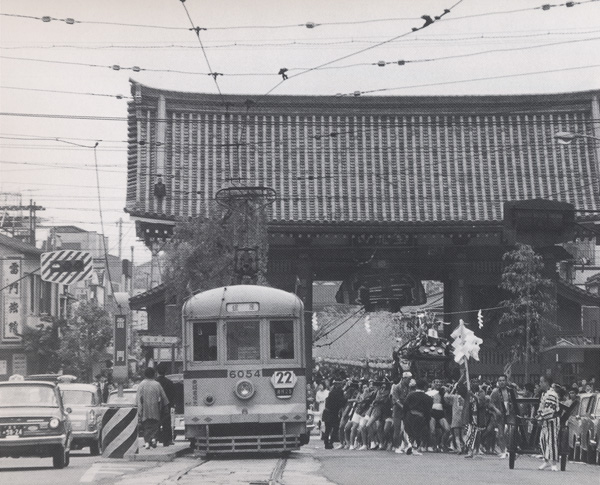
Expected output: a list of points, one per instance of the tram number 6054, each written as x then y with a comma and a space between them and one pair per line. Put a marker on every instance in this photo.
244, 373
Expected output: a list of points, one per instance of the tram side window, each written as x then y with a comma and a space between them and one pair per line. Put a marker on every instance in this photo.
205, 341
281, 334
243, 340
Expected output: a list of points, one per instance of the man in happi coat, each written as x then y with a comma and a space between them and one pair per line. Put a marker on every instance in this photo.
548, 415
150, 399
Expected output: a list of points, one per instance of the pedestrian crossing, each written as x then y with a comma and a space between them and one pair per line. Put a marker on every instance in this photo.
103, 470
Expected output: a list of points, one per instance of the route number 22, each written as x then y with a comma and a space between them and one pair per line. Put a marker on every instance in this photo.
283, 377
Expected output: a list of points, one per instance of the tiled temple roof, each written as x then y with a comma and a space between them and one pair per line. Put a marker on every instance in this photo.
426, 159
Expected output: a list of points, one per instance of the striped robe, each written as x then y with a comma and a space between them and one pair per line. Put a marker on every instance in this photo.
548, 413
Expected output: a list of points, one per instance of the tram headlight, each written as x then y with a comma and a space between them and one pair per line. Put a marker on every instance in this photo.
209, 400
244, 389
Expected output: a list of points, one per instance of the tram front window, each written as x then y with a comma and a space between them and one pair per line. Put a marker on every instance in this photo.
282, 339
243, 340
205, 341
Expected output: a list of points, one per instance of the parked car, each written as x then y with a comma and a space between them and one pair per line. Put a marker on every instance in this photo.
590, 431
34, 421
580, 423
594, 452
86, 415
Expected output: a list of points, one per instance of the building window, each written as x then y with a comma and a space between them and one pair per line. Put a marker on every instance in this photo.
243, 340
46, 298
205, 341
281, 336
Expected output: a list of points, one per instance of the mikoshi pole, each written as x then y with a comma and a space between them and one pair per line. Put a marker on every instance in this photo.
466, 360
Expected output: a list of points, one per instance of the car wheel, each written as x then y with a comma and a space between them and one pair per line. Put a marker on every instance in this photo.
572, 450
60, 459
591, 451
95, 448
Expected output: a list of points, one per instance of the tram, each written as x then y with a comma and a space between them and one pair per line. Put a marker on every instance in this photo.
244, 371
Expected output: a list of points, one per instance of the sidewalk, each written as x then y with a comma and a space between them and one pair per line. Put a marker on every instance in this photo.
160, 453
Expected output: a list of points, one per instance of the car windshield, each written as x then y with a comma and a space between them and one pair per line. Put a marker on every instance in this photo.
27, 395
78, 397
128, 398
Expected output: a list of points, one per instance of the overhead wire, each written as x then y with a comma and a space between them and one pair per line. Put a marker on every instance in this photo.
350, 327
458, 81
212, 73
452, 118
308, 24
479, 38
401, 62
55, 166
117, 96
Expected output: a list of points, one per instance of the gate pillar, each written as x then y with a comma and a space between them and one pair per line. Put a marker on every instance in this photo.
304, 290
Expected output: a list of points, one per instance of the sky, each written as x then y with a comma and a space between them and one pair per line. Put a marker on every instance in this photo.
52, 70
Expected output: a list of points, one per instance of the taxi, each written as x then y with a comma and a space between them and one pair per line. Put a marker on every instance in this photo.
86, 414
34, 421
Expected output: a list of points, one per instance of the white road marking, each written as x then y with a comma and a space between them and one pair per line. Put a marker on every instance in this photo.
91, 475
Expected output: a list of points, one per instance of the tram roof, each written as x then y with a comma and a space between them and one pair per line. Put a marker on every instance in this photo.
272, 301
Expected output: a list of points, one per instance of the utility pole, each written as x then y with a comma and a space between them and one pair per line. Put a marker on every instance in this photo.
32, 208
132, 272
120, 224
527, 326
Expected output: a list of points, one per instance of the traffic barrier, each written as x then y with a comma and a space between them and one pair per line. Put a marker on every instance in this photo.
119, 432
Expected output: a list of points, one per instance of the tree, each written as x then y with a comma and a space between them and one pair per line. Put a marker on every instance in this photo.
85, 339
43, 344
530, 302
201, 254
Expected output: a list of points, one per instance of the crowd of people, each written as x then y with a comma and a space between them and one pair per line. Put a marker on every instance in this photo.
413, 416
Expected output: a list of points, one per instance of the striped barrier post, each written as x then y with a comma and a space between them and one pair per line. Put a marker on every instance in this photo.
119, 432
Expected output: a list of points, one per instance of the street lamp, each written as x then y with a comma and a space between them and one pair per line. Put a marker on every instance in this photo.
566, 137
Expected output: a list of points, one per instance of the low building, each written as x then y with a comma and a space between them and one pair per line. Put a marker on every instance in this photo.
27, 301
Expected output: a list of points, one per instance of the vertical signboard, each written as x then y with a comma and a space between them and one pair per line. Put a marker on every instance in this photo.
19, 364
12, 313
120, 338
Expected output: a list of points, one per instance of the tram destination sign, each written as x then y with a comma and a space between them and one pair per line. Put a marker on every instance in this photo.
242, 307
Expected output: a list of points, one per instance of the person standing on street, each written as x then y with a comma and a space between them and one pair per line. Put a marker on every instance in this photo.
399, 392
417, 413
150, 400
548, 414
501, 400
166, 428
335, 402
102, 385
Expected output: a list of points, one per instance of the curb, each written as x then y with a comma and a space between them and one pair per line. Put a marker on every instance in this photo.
169, 455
